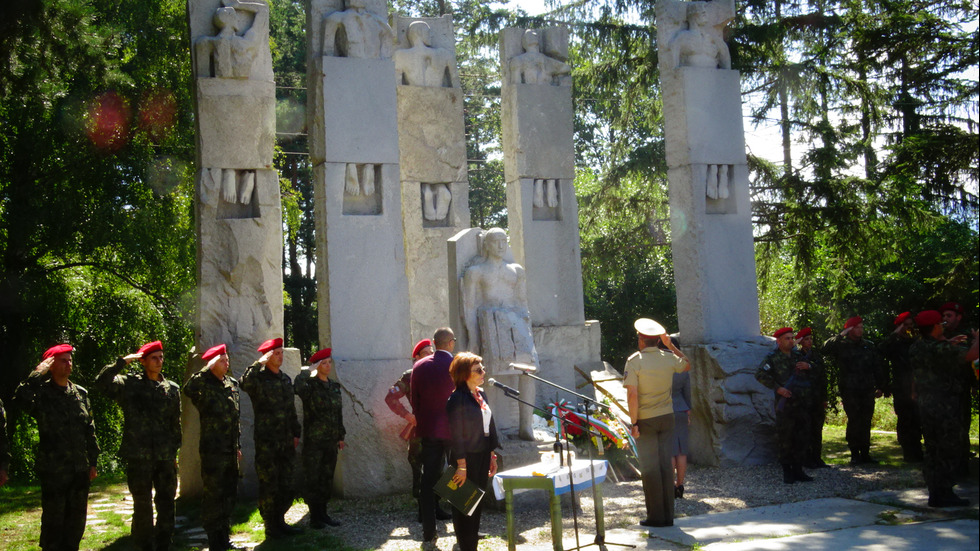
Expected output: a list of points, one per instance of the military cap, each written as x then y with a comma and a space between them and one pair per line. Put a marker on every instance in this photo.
320, 355
648, 328
953, 306
853, 321
214, 351
57, 349
927, 318
420, 345
805, 332
150, 348
900, 319
270, 344
782, 331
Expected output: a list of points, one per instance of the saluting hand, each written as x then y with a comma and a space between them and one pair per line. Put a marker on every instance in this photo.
134, 356
265, 357
45, 365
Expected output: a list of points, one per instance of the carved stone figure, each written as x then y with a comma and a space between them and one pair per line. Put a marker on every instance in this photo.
359, 179
701, 44
423, 65
436, 200
356, 32
545, 193
533, 67
231, 52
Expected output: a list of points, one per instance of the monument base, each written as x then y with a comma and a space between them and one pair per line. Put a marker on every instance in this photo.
732, 419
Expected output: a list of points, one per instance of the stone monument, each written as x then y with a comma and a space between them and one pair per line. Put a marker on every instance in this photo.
542, 213
711, 225
432, 152
238, 212
361, 262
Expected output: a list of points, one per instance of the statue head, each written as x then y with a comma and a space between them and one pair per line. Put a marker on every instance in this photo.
418, 33
226, 18
530, 42
495, 243
697, 14
356, 4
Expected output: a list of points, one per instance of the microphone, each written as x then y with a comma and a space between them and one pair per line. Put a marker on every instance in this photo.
504, 387
522, 367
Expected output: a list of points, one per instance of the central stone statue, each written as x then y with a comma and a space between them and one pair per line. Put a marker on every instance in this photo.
496, 317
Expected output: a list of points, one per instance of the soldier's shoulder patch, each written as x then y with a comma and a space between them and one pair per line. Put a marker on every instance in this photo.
766, 367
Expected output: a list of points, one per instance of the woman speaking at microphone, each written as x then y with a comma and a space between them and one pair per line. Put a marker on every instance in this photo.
474, 437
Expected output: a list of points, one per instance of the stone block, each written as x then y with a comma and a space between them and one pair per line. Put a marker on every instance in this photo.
362, 284
359, 117
549, 251
461, 247
427, 256
537, 131
375, 461
236, 122
732, 422
714, 260
703, 117
431, 136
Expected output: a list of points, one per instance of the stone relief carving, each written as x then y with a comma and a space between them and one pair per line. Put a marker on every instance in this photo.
421, 64
357, 32
716, 181
230, 191
534, 67
359, 179
436, 200
545, 193
698, 40
231, 52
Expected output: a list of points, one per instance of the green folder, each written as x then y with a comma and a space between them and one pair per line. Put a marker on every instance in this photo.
465, 498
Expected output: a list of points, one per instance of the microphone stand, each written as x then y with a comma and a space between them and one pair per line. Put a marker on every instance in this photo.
600, 538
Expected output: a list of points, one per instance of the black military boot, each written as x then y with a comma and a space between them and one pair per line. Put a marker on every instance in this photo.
788, 476
273, 530
287, 529
217, 541
800, 474
328, 520
316, 518
866, 457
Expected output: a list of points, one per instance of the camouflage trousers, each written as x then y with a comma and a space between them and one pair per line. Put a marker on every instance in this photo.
275, 470
319, 463
814, 451
152, 482
793, 433
859, 405
220, 475
940, 417
64, 505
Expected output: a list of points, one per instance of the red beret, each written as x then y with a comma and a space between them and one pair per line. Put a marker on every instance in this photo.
781, 332
150, 348
954, 306
853, 321
805, 332
900, 319
420, 345
927, 318
320, 355
270, 344
57, 349
214, 351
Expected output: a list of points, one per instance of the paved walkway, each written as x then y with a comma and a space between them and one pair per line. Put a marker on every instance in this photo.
886, 520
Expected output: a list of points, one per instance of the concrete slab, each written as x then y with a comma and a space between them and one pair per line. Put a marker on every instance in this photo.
955, 534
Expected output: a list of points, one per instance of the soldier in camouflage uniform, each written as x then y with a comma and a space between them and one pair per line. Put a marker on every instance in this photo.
895, 349
68, 453
323, 434
952, 313
4, 447
813, 458
786, 372
277, 434
937, 364
860, 381
215, 395
151, 438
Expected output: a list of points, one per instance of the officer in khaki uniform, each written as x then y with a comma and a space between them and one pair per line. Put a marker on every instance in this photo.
648, 378
151, 438
215, 395
323, 434
67, 454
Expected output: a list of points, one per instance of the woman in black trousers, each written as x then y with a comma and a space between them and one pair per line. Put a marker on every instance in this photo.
474, 437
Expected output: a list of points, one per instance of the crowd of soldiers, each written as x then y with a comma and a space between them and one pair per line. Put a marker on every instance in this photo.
924, 364
68, 452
